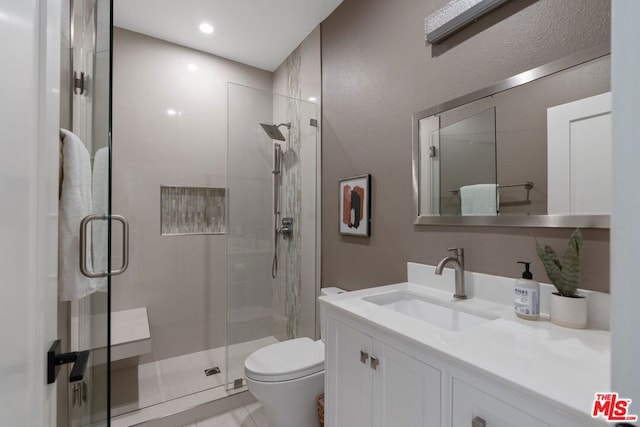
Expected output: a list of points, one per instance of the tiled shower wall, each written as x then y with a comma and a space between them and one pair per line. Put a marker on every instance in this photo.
292, 197
299, 77
180, 279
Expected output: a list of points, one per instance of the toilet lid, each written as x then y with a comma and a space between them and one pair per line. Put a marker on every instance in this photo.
286, 360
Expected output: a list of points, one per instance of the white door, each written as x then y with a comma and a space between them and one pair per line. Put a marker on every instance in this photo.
406, 392
348, 379
579, 157
30, 147
29, 115
625, 230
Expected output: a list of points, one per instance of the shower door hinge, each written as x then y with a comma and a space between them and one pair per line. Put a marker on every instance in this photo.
79, 83
80, 393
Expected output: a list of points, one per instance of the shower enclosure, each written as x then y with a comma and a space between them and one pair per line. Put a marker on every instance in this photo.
271, 239
197, 185
218, 183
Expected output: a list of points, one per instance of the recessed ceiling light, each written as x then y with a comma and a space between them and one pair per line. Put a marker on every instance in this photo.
313, 99
171, 112
192, 67
206, 28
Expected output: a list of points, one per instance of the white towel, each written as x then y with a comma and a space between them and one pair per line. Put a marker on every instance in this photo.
479, 199
75, 204
100, 205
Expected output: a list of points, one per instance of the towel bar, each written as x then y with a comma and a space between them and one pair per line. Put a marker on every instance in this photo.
527, 185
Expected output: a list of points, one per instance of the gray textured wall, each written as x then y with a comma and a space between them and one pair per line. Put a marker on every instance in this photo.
377, 71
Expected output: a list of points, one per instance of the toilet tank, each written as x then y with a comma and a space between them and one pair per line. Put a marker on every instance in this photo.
323, 314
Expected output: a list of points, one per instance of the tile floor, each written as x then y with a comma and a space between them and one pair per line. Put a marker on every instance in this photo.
173, 378
246, 416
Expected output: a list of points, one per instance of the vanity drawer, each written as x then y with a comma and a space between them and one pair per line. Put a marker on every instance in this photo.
471, 405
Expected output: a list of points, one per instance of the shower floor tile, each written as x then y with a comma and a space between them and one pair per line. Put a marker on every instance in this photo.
179, 376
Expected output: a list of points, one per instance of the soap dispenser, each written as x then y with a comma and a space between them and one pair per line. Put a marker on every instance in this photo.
527, 295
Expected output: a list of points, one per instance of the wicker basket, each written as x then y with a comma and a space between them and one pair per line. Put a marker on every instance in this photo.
320, 400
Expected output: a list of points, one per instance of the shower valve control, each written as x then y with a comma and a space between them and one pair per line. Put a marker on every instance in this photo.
287, 227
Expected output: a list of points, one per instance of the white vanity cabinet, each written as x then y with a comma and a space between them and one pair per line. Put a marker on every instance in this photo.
370, 383
397, 355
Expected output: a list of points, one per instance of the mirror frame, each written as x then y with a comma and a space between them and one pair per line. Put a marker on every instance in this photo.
559, 221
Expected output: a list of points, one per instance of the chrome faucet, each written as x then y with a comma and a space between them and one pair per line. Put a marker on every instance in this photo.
458, 266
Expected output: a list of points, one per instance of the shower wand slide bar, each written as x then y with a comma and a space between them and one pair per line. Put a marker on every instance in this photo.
83, 245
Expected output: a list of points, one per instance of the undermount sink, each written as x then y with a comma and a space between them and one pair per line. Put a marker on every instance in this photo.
438, 313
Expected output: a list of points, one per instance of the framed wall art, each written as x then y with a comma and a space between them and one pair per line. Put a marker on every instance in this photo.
355, 206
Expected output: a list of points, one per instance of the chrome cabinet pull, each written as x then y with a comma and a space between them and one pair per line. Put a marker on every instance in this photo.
374, 362
478, 422
83, 245
364, 356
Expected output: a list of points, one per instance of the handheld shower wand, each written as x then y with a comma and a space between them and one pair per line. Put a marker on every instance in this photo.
274, 133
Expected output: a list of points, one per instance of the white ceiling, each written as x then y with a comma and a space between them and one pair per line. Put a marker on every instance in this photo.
261, 33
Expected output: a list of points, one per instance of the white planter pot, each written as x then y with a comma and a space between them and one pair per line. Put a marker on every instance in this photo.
570, 312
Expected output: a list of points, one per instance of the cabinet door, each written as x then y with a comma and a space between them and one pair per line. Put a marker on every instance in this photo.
406, 392
470, 403
348, 376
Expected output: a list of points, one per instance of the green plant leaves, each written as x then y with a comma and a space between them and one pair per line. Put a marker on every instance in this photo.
550, 262
565, 274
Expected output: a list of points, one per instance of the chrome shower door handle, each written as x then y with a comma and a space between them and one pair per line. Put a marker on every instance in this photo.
84, 269
125, 245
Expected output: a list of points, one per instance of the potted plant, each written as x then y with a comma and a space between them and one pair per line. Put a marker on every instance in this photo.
567, 307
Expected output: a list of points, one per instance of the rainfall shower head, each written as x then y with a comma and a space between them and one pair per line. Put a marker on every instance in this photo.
274, 132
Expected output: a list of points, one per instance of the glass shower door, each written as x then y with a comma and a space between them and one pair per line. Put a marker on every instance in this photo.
88, 398
271, 211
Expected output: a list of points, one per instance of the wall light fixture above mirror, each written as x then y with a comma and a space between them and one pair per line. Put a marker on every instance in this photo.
456, 15
531, 151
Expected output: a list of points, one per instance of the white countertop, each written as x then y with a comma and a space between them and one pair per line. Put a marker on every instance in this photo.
556, 364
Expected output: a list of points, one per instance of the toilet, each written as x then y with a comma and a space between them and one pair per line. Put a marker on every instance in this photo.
286, 378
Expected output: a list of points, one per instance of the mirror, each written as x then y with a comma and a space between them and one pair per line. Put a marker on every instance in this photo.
532, 150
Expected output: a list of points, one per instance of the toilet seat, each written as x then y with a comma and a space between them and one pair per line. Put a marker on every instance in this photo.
286, 360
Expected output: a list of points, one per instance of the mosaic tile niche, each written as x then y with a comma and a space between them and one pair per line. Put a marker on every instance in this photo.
192, 210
